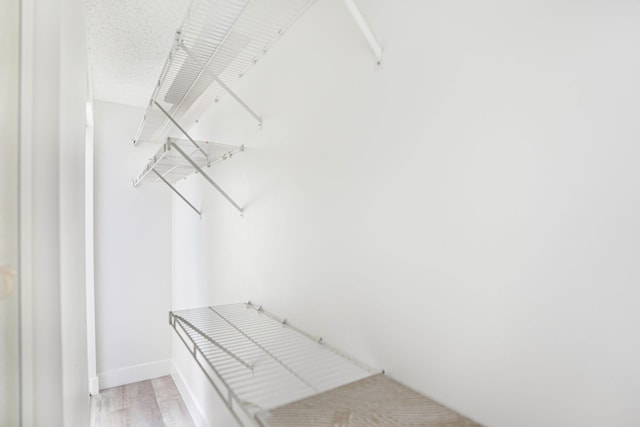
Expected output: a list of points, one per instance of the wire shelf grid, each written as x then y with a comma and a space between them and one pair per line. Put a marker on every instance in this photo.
265, 363
227, 37
173, 166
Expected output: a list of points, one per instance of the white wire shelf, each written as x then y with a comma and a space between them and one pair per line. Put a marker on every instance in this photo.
258, 362
279, 376
178, 158
218, 42
172, 166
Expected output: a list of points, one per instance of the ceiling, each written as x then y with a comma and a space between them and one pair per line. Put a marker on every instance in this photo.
128, 43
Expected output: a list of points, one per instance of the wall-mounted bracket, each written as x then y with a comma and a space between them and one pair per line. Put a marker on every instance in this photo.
221, 83
176, 124
194, 164
169, 165
207, 177
175, 190
366, 31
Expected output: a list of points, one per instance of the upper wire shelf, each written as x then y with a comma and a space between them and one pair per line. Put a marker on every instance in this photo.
218, 42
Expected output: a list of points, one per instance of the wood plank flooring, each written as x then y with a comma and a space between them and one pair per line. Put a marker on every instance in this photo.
151, 403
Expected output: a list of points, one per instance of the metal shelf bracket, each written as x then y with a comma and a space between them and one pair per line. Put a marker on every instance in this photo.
220, 82
366, 31
207, 177
194, 164
175, 190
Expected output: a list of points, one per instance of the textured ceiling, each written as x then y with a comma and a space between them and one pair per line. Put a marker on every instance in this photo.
129, 41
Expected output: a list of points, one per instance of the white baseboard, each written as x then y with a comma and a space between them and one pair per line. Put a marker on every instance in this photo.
187, 395
135, 373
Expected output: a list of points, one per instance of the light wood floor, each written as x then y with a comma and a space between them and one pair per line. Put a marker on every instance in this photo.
148, 403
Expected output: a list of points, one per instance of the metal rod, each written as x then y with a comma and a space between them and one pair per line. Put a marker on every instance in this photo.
222, 84
207, 177
214, 342
184, 132
366, 30
235, 415
319, 340
273, 356
176, 191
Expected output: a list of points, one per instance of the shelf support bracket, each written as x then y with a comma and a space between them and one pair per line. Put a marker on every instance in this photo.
207, 177
184, 132
206, 69
175, 190
366, 30
191, 162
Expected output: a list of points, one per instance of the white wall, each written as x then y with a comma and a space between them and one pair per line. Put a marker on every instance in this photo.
466, 218
132, 254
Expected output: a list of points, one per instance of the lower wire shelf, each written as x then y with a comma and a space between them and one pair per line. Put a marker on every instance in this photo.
270, 373
178, 158
170, 164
